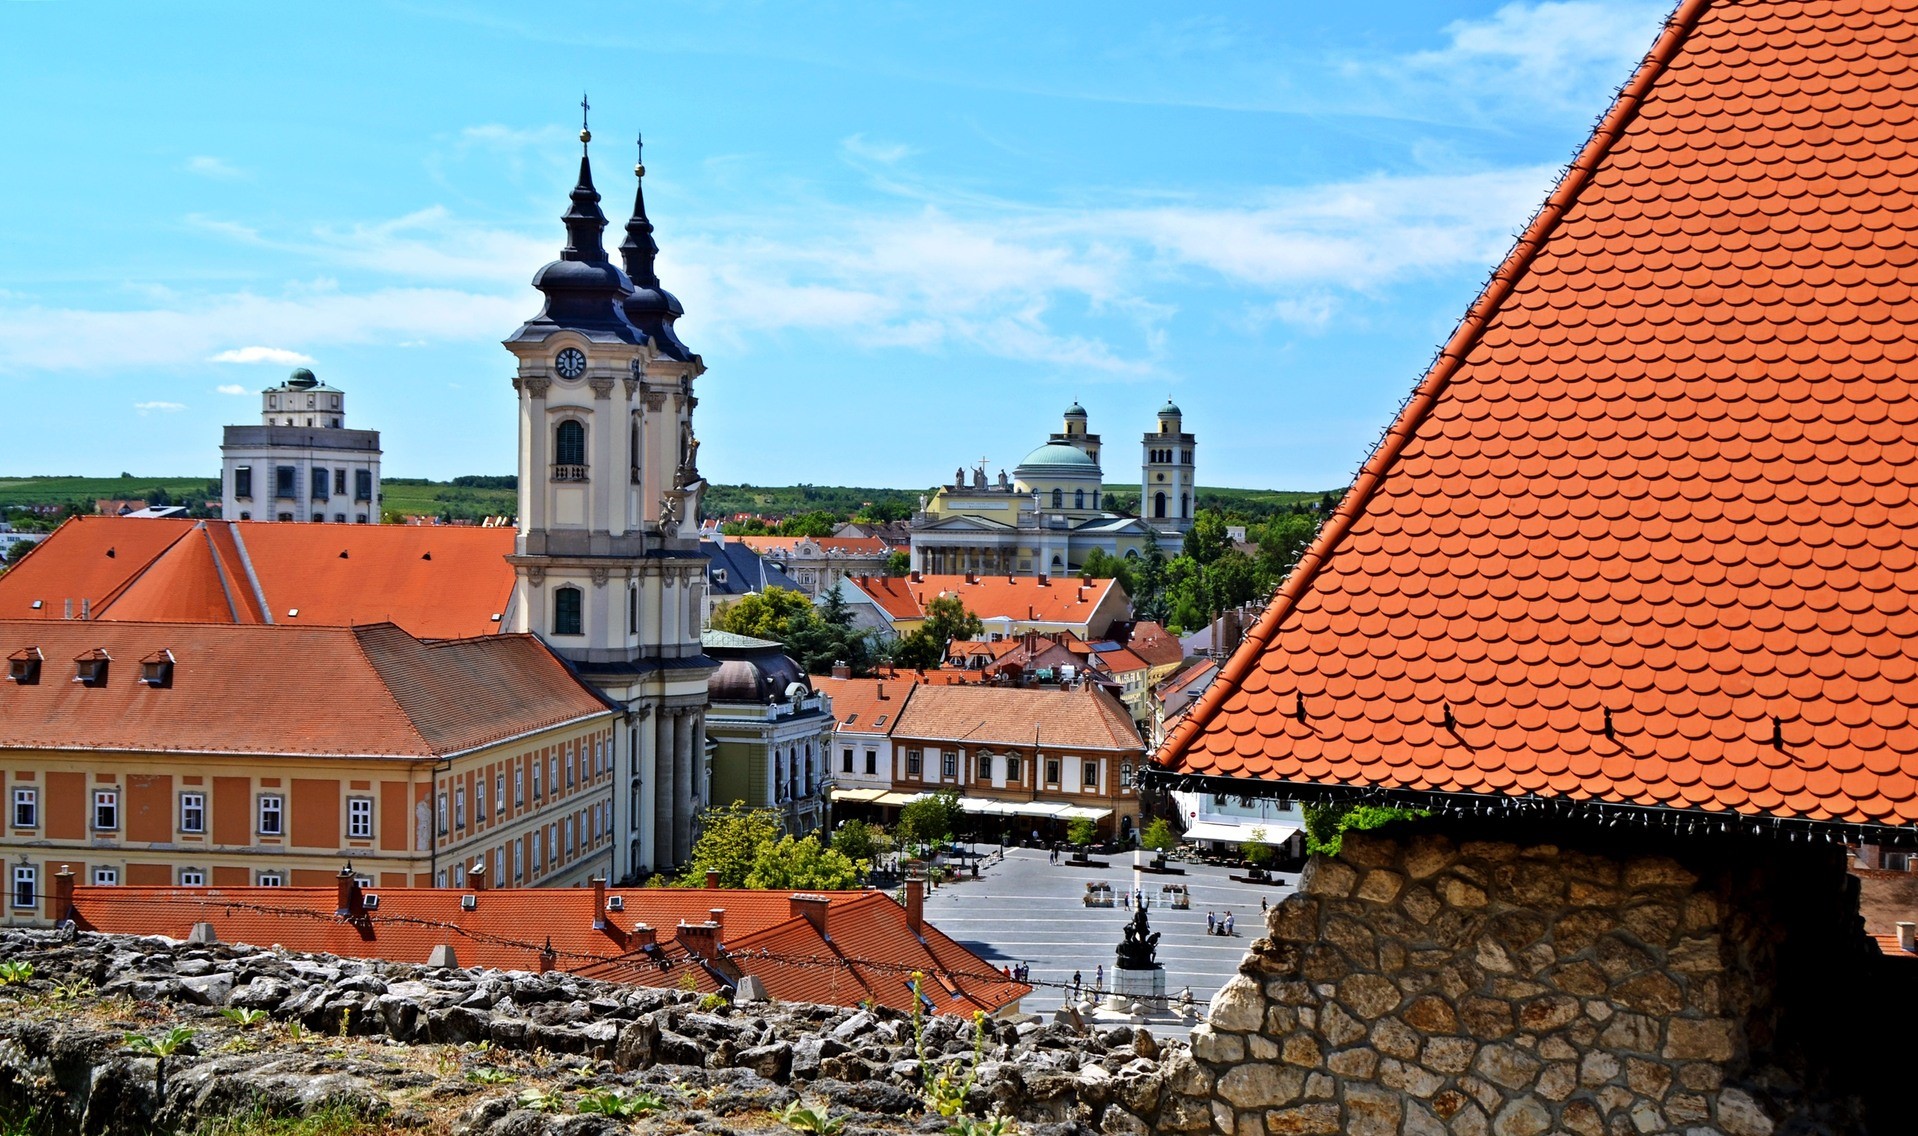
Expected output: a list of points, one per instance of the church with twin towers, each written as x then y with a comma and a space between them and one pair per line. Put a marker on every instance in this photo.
606, 561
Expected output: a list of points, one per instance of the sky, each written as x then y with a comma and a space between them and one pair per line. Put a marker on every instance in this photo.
906, 235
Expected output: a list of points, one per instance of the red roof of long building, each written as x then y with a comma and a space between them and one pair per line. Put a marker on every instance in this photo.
1022, 599
869, 953
1642, 534
438, 582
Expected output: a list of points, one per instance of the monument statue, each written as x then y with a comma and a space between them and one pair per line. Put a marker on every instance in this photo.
1141, 946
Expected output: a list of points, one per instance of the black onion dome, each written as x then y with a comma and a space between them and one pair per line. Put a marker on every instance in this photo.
583, 288
648, 306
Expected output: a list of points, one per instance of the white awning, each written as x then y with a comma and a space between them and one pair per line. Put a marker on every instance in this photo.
899, 798
988, 806
858, 796
1078, 812
1238, 832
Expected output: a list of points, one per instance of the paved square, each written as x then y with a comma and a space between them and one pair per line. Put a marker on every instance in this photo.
1025, 909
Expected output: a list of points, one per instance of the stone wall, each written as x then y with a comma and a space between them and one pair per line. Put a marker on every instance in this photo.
1426, 984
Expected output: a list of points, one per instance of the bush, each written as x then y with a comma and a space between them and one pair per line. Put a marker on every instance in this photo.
1326, 825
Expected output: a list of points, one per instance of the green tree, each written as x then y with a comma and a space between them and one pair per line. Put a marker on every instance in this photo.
1158, 836
772, 614
947, 619
1082, 831
929, 820
1207, 540
803, 865
730, 837
1256, 851
1148, 590
828, 637
854, 840
1282, 542
898, 562
816, 523
1101, 565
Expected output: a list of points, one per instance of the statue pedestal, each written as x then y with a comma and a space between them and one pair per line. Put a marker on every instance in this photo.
1143, 986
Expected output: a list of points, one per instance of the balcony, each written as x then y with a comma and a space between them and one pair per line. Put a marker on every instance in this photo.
569, 472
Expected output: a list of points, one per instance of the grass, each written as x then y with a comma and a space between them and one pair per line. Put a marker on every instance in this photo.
331, 1119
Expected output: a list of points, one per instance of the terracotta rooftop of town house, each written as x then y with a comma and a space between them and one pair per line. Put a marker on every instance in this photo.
1148, 640
438, 582
410, 698
1181, 679
1118, 660
845, 545
1022, 599
762, 932
1641, 536
1074, 719
865, 705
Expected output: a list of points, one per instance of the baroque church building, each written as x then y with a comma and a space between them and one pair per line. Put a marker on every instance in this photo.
607, 567
1052, 512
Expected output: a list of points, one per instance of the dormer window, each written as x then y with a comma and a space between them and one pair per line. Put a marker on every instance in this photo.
157, 669
719, 575
23, 666
90, 669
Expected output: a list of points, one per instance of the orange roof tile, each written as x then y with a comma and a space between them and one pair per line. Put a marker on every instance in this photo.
439, 582
1641, 535
868, 955
1019, 598
999, 715
844, 545
409, 698
858, 705
1150, 641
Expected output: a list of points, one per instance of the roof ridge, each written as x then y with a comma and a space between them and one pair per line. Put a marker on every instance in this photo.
1451, 357
358, 637
126, 585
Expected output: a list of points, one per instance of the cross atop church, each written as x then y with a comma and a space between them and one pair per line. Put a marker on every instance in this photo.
585, 107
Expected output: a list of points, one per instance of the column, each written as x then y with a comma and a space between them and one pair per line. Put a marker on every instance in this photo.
686, 768
664, 768
533, 492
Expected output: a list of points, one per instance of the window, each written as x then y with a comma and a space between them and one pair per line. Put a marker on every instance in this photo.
519, 788
1052, 771
499, 864
948, 765
539, 781
519, 857
1185, 510
339, 481
567, 619
459, 807
192, 812
320, 482
1078, 498
439, 878
552, 774
1125, 775
106, 877
567, 830
479, 799
1012, 769
845, 761
439, 813
459, 875
1091, 779
569, 451
192, 877
985, 767
535, 854
914, 763
243, 481
106, 810
1058, 498
286, 481
499, 793
270, 880
872, 763
26, 879
362, 485
1158, 505
359, 818
26, 808
272, 813
573, 760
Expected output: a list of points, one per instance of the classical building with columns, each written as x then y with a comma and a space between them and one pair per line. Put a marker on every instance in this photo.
607, 565
1052, 512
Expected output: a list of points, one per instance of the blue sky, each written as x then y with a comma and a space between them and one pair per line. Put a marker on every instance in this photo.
906, 236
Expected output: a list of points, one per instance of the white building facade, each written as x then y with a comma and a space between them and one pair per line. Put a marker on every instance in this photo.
301, 463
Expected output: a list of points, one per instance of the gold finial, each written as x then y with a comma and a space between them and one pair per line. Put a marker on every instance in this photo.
585, 135
639, 162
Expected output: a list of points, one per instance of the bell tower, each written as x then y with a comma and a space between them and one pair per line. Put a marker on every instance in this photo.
605, 560
1167, 489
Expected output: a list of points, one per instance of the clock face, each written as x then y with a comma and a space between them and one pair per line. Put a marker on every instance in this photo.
571, 363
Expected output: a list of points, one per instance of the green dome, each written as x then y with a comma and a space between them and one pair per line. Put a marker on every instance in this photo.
1075, 410
1170, 411
1058, 460
302, 379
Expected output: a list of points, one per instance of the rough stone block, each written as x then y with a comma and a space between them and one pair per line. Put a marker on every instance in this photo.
1522, 1117
1448, 1055
1327, 877
1428, 855
1396, 1039
1295, 919
1380, 885
1371, 1111
1740, 1115
1548, 1013
1239, 1006
1578, 930
1300, 1049
1507, 1065
1655, 924
1259, 1085
1409, 1079
1339, 1028
1647, 1078
1630, 1033
1431, 1014
1321, 1119
1419, 904
1485, 1018
1491, 851
1581, 1117
1369, 995
1358, 1064
1458, 893
1215, 1048
1700, 1039
1656, 871
1558, 1081
1598, 1068
1420, 1122
1580, 978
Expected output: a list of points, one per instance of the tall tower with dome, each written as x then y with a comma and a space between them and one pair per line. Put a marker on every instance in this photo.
1168, 493
606, 559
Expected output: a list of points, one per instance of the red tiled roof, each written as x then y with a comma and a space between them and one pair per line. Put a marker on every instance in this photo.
409, 698
869, 953
1661, 475
438, 582
845, 545
1179, 680
999, 715
856, 703
1120, 661
1019, 598
893, 594
1151, 642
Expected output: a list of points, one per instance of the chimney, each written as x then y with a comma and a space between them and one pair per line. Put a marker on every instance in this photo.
917, 578
644, 936
698, 938
880, 691
69, 614
348, 905
717, 917
599, 903
712, 878
915, 904
62, 893
813, 907
971, 578
1905, 937
1045, 581
841, 670
86, 608
476, 876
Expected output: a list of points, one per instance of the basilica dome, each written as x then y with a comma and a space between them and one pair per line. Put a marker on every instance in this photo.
1056, 460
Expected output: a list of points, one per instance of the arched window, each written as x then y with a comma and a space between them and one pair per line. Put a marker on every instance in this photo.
634, 454
1185, 510
569, 443
1078, 498
567, 616
1158, 505
1058, 498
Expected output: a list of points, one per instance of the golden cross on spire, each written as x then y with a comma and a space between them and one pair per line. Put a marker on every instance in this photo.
585, 135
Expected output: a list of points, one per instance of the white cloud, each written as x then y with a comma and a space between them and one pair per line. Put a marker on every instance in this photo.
211, 167
230, 388
1545, 53
146, 408
885, 153
278, 355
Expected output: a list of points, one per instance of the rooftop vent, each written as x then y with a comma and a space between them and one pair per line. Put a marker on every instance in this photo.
369, 901
615, 903
343, 555
426, 556
469, 902
293, 613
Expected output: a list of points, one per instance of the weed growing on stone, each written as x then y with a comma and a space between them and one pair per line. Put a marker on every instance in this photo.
541, 1100
801, 1119
331, 1119
15, 973
620, 1103
490, 1077
244, 1018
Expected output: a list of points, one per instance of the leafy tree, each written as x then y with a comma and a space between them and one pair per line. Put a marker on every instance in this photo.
930, 820
1230, 580
1100, 565
772, 614
1148, 590
1326, 825
947, 619
1257, 852
803, 865
828, 637
16, 550
1282, 542
898, 562
854, 840
1158, 836
1082, 831
730, 837
1207, 540
159, 496
815, 523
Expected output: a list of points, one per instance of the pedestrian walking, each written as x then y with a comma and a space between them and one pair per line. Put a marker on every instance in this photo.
1262, 904
1099, 978
1076, 983
1211, 923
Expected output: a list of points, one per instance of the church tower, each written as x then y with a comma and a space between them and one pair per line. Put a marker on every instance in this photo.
606, 558
1075, 435
1167, 489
